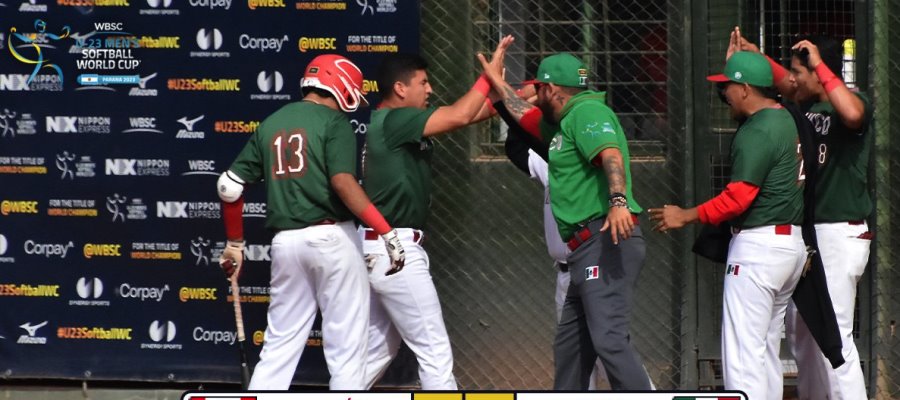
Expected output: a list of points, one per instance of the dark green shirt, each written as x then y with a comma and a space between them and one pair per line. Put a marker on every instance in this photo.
579, 189
397, 165
297, 150
765, 153
842, 190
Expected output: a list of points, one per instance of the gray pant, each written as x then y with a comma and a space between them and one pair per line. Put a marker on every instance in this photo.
597, 313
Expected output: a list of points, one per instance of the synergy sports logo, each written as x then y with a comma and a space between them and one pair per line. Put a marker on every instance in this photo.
266, 83
30, 336
89, 291
209, 40
162, 333
4, 246
159, 7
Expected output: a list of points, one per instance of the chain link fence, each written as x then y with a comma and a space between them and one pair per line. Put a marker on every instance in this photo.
651, 56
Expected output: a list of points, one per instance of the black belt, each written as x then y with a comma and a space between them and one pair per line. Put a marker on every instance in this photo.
563, 267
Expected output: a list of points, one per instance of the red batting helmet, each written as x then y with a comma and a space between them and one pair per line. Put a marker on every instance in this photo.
339, 76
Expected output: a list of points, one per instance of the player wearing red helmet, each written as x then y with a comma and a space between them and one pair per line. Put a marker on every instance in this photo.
306, 154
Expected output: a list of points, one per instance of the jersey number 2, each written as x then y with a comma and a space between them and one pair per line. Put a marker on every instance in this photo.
289, 152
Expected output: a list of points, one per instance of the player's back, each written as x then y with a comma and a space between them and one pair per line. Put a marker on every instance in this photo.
298, 148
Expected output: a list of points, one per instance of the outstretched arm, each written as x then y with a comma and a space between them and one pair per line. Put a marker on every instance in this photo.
847, 104
465, 110
780, 75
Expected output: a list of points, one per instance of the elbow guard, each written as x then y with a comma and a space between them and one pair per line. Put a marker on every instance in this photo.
230, 187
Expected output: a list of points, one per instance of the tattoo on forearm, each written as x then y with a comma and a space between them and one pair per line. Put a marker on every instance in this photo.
615, 173
515, 104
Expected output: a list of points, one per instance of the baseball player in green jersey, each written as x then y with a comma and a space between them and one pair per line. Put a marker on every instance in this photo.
596, 213
764, 205
840, 119
306, 154
397, 176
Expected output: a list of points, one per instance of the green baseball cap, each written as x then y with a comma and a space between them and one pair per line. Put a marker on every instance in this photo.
746, 67
561, 69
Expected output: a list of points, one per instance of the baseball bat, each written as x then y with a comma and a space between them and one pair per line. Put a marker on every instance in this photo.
239, 324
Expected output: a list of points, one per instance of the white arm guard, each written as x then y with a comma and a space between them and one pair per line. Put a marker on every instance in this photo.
230, 187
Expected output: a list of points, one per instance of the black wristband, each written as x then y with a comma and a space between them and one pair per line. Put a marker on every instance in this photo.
618, 200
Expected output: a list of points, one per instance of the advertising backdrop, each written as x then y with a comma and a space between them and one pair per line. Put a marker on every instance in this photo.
116, 118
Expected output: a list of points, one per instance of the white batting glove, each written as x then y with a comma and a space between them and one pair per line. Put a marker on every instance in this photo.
395, 251
232, 257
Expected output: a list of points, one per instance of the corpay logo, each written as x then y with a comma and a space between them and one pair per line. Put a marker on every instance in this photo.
142, 293
268, 83
203, 335
89, 288
209, 39
47, 249
160, 331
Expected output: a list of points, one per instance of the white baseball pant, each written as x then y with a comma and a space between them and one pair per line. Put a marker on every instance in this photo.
844, 255
405, 306
764, 265
318, 267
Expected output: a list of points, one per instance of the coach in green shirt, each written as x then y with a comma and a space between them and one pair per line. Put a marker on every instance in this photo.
592, 202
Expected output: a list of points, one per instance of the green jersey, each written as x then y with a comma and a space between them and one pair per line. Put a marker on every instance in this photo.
842, 190
765, 153
397, 165
297, 150
579, 190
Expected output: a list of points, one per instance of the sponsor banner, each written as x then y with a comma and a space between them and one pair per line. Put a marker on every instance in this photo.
121, 116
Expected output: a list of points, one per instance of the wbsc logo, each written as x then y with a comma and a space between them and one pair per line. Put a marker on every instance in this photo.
201, 167
142, 124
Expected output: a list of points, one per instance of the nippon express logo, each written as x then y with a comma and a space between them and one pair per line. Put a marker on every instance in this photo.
187, 131
201, 167
210, 41
31, 334
75, 124
137, 167
89, 291
269, 84
162, 333
189, 209
23, 82
121, 208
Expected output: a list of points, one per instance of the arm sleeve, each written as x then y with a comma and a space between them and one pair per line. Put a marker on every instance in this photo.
405, 125
340, 148
733, 201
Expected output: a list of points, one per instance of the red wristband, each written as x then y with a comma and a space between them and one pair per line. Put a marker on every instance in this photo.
233, 215
490, 105
828, 79
778, 72
373, 219
482, 85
